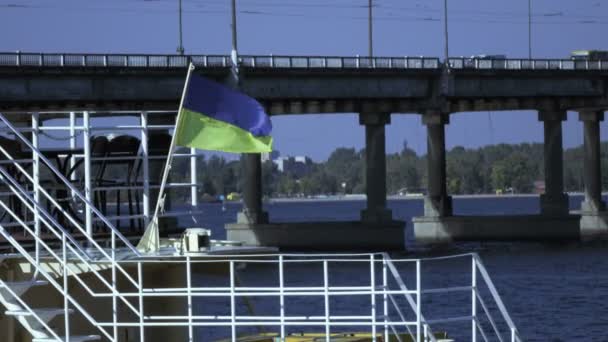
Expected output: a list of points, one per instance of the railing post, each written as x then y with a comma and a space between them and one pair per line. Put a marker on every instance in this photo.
282, 298
36, 179
87, 172
418, 303
145, 165
326, 297
84, 60
72, 147
114, 289
105, 60
474, 299
232, 304
40, 60
372, 287
66, 303
193, 178
357, 62
18, 58
189, 289
271, 61
140, 282
385, 296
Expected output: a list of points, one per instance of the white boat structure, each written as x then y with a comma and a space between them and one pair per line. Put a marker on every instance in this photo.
73, 275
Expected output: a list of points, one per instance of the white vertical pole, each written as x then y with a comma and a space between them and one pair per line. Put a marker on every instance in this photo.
326, 296
72, 145
36, 178
232, 304
193, 188
87, 171
189, 287
281, 298
372, 285
114, 289
66, 304
145, 166
140, 277
474, 300
385, 296
418, 303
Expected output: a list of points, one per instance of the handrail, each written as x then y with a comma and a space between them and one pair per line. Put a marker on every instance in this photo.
74, 190
410, 300
496, 296
40, 209
72, 246
52, 281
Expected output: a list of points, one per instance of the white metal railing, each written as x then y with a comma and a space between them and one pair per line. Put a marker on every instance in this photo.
87, 251
382, 283
140, 185
23, 59
69, 250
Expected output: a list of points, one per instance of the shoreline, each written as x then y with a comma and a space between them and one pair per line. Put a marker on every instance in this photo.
362, 197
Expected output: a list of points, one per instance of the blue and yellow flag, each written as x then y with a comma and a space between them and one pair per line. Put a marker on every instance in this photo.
215, 117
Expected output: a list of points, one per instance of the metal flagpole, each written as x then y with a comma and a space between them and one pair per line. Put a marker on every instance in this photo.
152, 229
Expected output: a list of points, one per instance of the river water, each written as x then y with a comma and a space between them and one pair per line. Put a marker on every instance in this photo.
554, 291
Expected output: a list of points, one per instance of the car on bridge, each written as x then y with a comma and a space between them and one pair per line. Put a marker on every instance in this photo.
589, 55
485, 61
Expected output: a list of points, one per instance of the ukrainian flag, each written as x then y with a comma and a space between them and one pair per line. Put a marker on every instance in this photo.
215, 117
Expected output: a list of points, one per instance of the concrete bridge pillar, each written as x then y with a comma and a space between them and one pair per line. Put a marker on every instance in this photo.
437, 203
554, 201
252, 193
375, 167
592, 167
593, 210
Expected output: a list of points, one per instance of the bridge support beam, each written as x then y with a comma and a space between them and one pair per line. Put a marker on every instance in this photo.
554, 201
437, 203
375, 167
252, 193
594, 218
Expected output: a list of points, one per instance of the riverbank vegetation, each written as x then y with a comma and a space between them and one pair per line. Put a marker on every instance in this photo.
502, 168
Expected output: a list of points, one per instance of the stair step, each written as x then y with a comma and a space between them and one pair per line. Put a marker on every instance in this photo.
81, 338
18, 288
46, 314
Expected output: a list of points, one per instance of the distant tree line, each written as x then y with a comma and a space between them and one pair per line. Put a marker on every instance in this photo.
487, 169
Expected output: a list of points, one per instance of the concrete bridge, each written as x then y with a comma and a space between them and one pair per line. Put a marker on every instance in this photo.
373, 87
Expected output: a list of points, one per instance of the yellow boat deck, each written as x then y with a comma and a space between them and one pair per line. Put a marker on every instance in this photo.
338, 337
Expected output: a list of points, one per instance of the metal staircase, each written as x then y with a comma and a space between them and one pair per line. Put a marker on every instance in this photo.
35, 320
88, 254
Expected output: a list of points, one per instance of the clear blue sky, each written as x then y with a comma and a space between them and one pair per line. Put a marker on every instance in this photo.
326, 27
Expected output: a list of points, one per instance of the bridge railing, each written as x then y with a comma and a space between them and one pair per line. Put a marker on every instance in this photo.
526, 64
178, 61
20, 59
